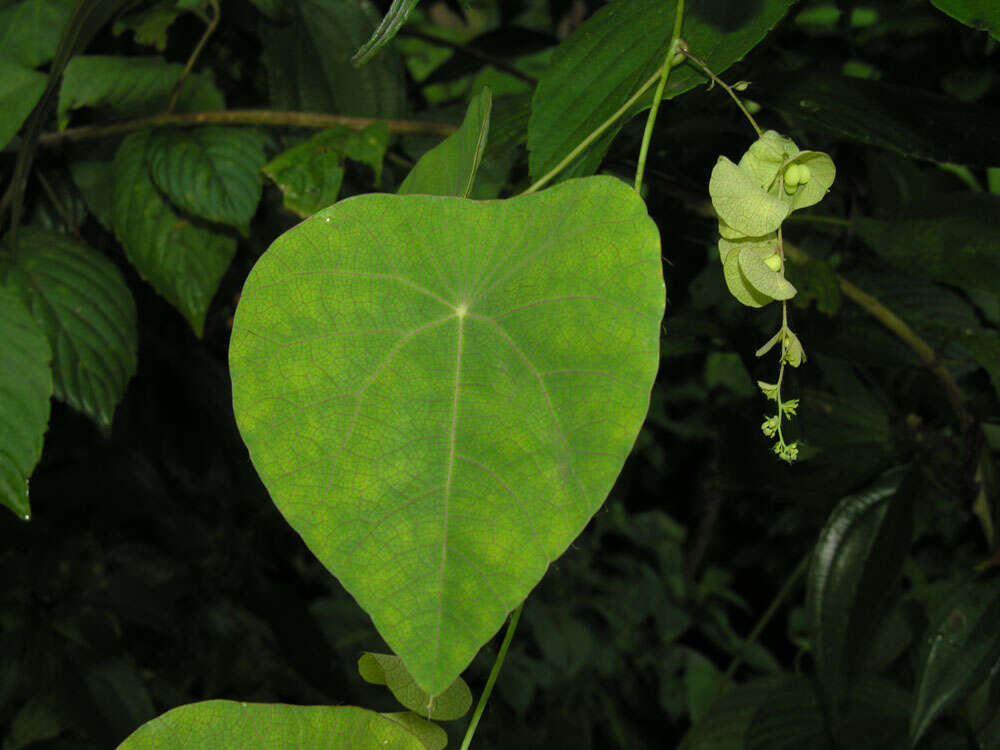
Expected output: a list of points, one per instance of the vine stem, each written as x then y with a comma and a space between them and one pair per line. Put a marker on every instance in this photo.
728, 89
668, 64
209, 30
491, 680
243, 117
594, 135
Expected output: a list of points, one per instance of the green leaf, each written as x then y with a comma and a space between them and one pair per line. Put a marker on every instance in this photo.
751, 281
20, 90
978, 14
450, 167
605, 60
884, 115
387, 29
92, 179
431, 736
131, 87
183, 261
815, 280
741, 203
960, 248
224, 725
388, 670
855, 569
760, 276
211, 172
24, 400
962, 647
81, 303
149, 25
309, 175
445, 390
309, 68
766, 156
823, 175
29, 30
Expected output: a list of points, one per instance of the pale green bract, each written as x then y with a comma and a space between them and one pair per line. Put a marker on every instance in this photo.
439, 393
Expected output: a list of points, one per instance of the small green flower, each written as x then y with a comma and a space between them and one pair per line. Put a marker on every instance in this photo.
770, 390
787, 452
788, 407
770, 426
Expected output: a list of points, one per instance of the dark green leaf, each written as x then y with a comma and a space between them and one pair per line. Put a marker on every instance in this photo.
962, 647
183, 261
607, 58
450, 167
962, 248
309, 68
149, 25
30, 29
24, 400
131, 86
225, 725
909, 121
815, 280
979, 14
80, 301
92, 178
309, 175
390, 24
388, 670
855, 567
514, 319
20, 90
211, 172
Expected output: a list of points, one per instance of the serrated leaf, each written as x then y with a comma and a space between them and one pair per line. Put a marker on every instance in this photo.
30, 29
741, 203
394, 18
309, 68
224, 725
183, 261
309, 175
131, 87
962, 648
389, 670
80, 301
376, 347
20, 90
856, 565
958, 249
149, 25
604, 61
978, 14
25, 391
211, 172
450, 167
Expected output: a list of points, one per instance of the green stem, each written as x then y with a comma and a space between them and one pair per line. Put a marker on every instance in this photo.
508, 636
668, 64
209, 30
594, 135
726, 87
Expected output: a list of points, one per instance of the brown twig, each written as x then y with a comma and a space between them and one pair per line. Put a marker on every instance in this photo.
209, 30
243, 117
496, 62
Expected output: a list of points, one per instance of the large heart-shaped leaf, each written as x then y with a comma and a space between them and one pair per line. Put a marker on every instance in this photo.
439, 393
227, 724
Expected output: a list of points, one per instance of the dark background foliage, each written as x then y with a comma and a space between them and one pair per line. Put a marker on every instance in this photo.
155, 570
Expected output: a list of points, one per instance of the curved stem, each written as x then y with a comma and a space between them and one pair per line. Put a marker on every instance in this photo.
668, 65
594, 135
209, 30
491, 680
728, 89
243, 117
